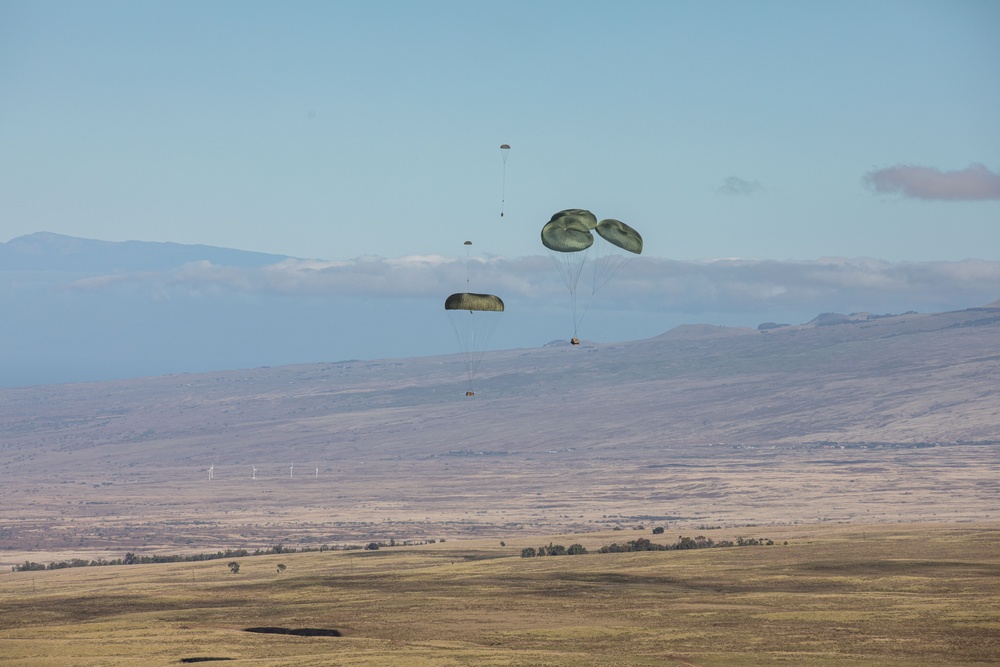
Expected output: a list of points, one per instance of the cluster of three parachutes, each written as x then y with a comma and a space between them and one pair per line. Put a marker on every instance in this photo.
568, 237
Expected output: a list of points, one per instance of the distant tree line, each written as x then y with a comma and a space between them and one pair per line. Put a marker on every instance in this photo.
643, 544
553, 550
133, 559
699, 542
375, 546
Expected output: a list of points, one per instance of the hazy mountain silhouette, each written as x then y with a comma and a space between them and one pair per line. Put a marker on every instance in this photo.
906, 378
57, 327
45, 251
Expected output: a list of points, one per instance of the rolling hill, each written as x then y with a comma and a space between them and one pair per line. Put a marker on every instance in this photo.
687, 425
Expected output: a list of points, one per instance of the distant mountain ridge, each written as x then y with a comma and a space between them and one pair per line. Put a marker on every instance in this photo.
890, 419
915, 378
46, 251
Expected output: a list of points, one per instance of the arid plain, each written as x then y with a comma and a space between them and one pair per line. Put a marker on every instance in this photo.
887, 428
889, 595
872, 421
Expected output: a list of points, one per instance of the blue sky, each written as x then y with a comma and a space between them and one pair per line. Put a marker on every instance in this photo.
337, 129
785, 133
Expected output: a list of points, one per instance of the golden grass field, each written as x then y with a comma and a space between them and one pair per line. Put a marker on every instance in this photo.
871, 449
900, 594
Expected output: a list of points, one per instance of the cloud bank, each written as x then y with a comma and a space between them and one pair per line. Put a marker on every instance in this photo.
645, 284
203, 315
973, 183
736, 186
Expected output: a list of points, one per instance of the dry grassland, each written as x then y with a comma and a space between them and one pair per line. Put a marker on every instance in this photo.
833, 595
459, 497
871, 448
882, 421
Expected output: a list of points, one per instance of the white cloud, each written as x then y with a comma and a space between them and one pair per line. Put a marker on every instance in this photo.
645, 283
736, 186
975, 182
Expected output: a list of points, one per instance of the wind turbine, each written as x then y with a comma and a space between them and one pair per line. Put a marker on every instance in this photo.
211, 472
254, 474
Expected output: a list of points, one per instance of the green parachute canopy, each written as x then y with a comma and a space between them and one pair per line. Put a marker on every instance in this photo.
569, 231
470, 301
580, 214
619, 234
473, 317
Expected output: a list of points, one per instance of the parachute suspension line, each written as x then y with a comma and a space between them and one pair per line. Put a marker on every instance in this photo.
473, 318
504, 148
461, 331
481, 333
606, 263
468, 264
503, 189
570, 267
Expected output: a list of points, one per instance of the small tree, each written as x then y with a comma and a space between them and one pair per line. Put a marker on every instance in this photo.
528, 552
658, 530
686, 543
555, 550
372, 546
234, 567
281, 568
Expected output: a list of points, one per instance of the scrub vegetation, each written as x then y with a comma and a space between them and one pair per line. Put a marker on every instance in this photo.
833, 595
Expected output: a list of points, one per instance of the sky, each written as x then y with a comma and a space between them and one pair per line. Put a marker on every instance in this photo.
753, 145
